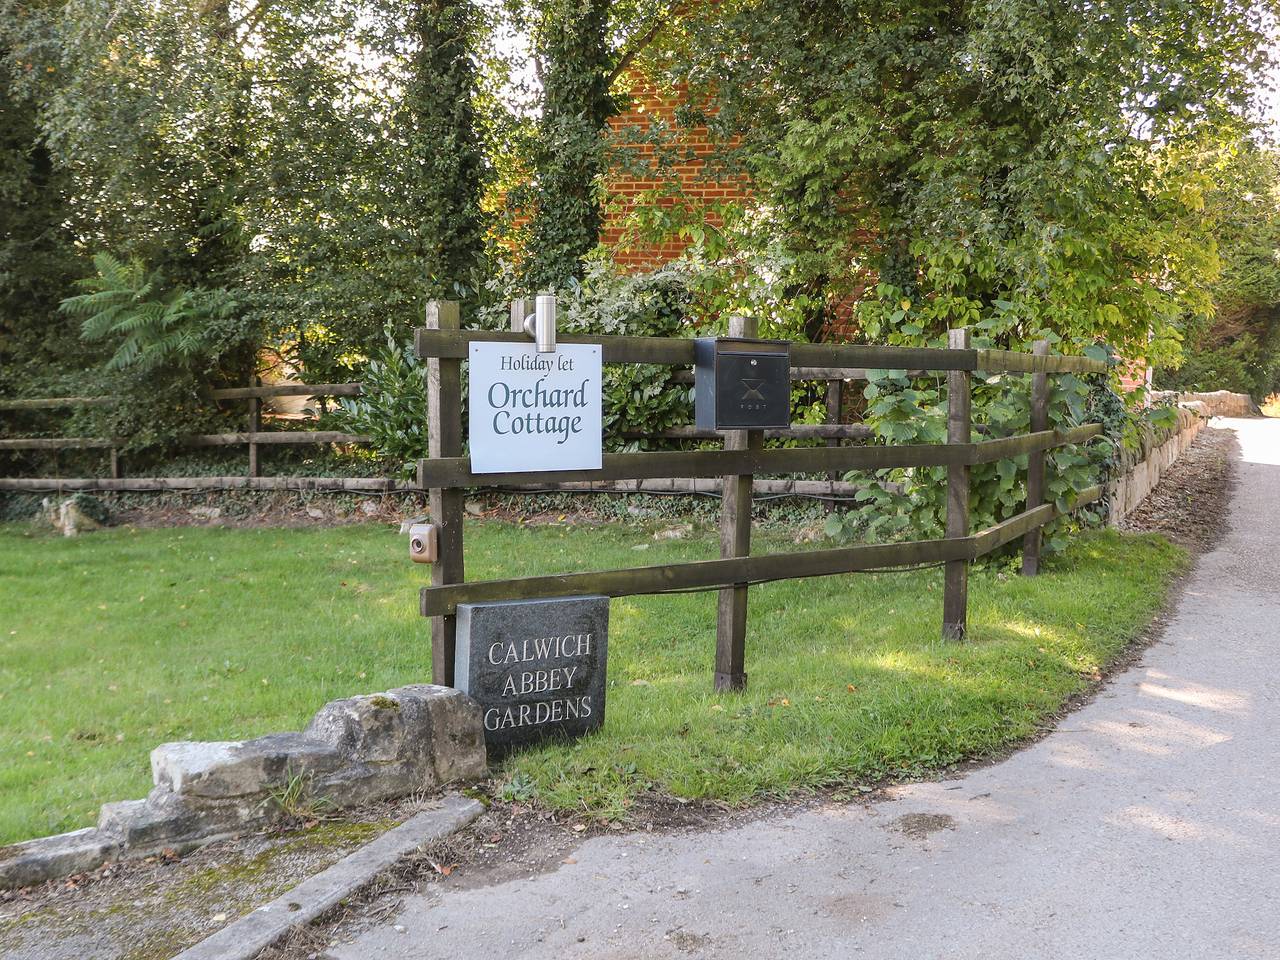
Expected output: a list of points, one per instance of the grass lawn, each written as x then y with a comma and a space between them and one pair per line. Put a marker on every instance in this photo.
114, 642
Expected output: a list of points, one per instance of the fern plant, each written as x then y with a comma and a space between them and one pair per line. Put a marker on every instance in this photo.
155, 327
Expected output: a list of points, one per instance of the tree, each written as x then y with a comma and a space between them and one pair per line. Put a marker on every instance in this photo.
574, 48
37, 255
1238, 348
450, 164
1023, 169
149, 110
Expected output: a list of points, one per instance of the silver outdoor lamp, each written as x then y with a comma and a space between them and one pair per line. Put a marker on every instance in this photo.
541, 324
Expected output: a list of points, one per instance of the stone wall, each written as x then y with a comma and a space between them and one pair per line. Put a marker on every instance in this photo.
1142, 469
1219, 403
357, 750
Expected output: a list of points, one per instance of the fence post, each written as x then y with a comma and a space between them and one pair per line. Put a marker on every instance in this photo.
955, 599
735, 541
117, 467
1035, 462
444, 439
520, 308
255, 425
834, 395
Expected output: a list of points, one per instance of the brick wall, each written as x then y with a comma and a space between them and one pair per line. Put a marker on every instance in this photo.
689, 182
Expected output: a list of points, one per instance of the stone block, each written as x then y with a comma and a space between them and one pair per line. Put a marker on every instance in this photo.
355, 750
226, 769
166, 820
410, 738
35, 861
457, 736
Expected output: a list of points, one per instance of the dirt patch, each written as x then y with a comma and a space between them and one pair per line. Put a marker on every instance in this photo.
281, 509
918, 826
154, 908
687, 942
1191, 502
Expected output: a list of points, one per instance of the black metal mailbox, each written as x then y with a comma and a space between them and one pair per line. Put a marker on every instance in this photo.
741, 384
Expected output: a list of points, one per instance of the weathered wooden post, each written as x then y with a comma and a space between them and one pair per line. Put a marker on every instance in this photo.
255, 425
1035, 462
955, 599
520, 309
117, 467
444, 439
735, 541
834, 395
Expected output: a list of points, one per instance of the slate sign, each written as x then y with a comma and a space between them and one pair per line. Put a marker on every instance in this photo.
536, 667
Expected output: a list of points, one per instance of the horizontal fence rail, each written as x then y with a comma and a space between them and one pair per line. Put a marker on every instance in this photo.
45, 403
712, 574
200, 440
799, 431
253, 438
289, 390
669, 486
181, 484
450, 473
678, 351
810, 373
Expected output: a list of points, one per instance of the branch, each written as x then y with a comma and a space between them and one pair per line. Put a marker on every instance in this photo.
251, 17
637, 47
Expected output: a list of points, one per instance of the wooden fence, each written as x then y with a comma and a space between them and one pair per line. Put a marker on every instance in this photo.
730, 471
254, 437
446, 473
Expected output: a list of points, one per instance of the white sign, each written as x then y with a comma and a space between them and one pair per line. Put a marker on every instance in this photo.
534, 411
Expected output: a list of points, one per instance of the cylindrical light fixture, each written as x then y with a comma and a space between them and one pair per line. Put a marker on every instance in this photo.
545, 322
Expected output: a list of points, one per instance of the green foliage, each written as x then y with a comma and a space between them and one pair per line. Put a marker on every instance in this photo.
323, 159
1241, 366
37, 254
153, 327
450, 164
1239, 348
518, 788
168, 344
149, 108
1000, 163
392, 406
570, 159
910, 503
37, 251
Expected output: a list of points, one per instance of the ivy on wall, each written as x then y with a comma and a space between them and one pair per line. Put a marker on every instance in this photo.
446, 145
574, 48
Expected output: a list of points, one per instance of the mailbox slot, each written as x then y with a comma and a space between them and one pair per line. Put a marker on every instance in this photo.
742, 384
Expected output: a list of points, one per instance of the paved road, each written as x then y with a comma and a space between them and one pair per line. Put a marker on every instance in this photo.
1147, 825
